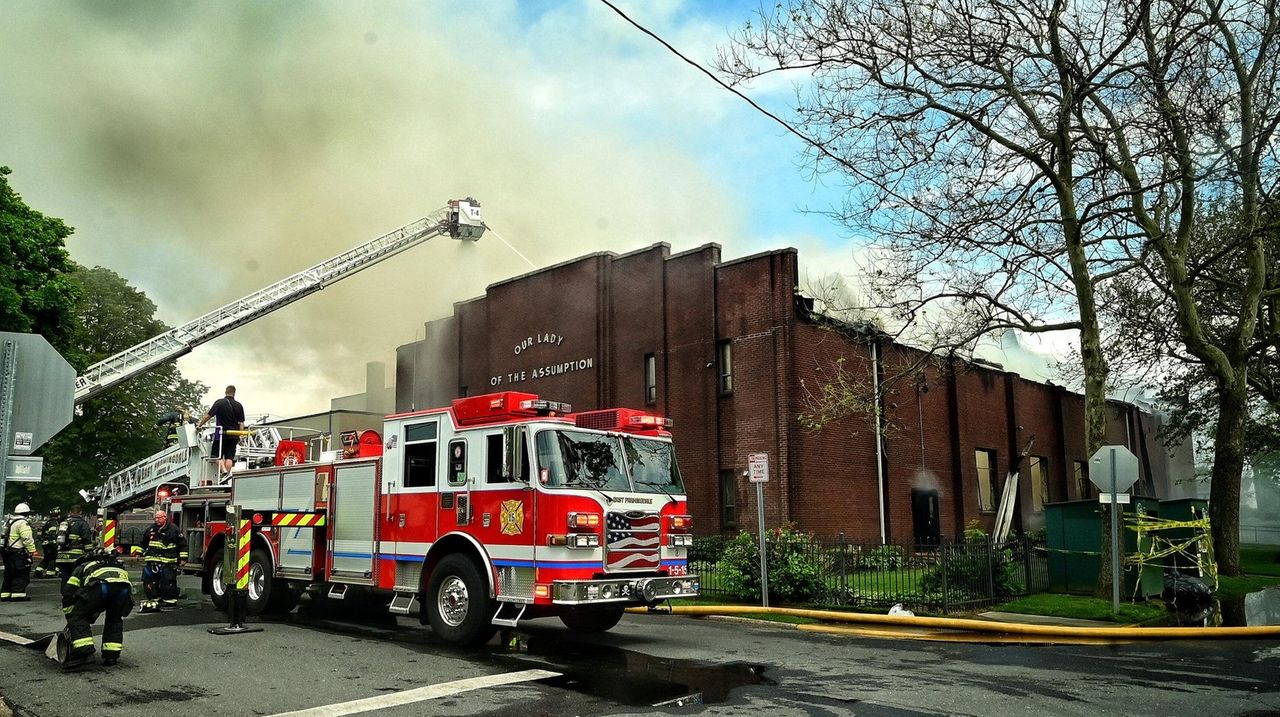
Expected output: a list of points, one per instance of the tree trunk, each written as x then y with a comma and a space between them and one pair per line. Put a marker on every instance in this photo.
1228, 464
1095, 431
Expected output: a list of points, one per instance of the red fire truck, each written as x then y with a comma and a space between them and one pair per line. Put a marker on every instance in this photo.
500, 508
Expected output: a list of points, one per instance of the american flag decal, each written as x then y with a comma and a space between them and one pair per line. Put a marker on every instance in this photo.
632, 541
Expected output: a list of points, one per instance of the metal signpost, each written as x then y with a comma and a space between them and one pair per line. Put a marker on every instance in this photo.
1114, 469
37, 399
758, 473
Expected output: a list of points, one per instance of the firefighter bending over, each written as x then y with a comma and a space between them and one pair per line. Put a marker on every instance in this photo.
164, 550
19, 549
49, 545
98, 584
74, 538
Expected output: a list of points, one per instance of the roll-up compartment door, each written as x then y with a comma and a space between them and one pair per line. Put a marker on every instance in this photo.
298, 492
257, 492
352, 513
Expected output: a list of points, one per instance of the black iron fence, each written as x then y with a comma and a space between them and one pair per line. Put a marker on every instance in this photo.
951, 576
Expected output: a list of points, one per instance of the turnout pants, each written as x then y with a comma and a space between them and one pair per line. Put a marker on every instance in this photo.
64, 572
48, 560
17, 574
108, 598
160, 580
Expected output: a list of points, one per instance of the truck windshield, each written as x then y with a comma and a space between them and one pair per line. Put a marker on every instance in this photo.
653, 466
574, 459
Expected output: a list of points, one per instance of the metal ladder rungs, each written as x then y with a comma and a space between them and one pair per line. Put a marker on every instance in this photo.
402, 603
338, 592
501, 621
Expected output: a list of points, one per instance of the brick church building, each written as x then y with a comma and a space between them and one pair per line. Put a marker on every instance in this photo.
728, 351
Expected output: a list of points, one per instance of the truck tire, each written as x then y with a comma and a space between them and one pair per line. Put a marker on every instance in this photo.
261, 582
457, 602
592, 620
213, 585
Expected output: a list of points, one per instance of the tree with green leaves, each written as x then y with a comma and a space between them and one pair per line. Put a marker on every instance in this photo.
36, 294
118, 427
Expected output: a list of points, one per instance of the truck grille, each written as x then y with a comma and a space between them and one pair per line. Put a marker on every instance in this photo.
632, 541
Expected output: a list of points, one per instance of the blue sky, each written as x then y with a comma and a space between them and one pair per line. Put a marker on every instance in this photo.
206, 150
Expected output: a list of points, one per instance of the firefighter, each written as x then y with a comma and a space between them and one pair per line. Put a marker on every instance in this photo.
49, 544
164, 550
19, 550
98, 584
171, 422
74, 540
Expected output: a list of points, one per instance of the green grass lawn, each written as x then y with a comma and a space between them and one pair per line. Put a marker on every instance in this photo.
1081, 606
1259, 560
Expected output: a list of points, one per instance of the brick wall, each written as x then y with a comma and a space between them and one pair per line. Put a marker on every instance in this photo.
610, 311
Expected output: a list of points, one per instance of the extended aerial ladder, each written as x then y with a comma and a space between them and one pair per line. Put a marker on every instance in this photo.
460, 220
189, 458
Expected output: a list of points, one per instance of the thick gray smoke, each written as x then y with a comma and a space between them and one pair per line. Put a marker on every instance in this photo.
204, 150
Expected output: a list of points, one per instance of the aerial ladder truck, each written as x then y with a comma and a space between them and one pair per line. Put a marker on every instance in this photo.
188, 462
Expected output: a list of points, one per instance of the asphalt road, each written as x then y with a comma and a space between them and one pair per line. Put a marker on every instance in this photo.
324, 655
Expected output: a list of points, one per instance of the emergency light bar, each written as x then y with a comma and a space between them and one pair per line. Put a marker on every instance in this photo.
621, 419
649, 421
543, 405
505, 406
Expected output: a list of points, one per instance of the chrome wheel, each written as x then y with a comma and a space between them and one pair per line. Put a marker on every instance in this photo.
257, 581
216, 586
453, 601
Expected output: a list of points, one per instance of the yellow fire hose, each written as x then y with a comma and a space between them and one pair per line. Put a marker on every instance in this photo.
1005, 628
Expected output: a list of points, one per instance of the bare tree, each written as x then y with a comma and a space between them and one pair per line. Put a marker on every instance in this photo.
1015, 156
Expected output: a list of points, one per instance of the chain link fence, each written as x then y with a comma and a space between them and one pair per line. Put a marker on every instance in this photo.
954, 575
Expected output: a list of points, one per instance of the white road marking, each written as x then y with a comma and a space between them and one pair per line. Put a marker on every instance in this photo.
419, 694
15, 639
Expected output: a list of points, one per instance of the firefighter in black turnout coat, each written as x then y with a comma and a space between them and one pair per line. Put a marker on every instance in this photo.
98, 584
164, 550
75, 538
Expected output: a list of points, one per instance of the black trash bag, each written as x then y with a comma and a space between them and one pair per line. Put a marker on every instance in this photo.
1185, 592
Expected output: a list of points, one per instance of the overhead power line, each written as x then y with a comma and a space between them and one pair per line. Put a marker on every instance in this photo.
786, 125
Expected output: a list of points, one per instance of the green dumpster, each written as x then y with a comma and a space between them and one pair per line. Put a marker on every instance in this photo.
1073, 535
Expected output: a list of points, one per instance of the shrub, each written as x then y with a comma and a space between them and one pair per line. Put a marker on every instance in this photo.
883, 557
794, 566
708, 549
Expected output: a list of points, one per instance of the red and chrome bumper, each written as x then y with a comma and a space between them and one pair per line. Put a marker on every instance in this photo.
613, 590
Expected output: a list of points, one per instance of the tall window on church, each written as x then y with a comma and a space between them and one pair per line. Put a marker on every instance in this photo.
650, 379
724, 364
1081, 470
986, 461
728, 500
1039, 469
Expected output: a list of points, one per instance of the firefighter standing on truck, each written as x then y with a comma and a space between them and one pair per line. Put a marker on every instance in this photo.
49, 544
164, 550
19, 551
75, 537
98, 584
